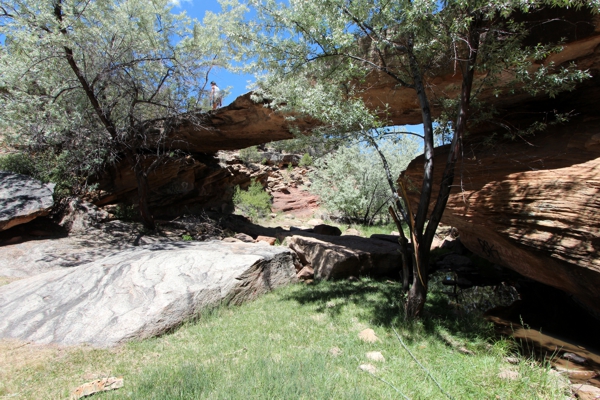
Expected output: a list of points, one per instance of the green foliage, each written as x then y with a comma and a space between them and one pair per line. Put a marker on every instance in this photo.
306, 160
314, 145
18, 163
86, 84
352, 181
320, 68
187, 238
47, 166
250, 155
254, 203
126, 212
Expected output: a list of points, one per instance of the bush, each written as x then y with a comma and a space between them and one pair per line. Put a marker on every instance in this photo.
47, 166
306, 160
352, 181
254, 202
250, 155
18, 163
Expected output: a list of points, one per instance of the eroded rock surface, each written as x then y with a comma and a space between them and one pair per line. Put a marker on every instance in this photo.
22, 199
140, 292
532, 206
336, 257
33, 257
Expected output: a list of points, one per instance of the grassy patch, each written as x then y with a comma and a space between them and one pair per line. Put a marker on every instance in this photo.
300, 342
368, 230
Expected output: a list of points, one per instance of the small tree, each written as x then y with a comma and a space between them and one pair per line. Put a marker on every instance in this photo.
103, 80
352, 180
254, 202
318, 55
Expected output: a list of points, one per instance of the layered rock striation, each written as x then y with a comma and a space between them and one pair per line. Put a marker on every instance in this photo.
139, 292
532, 204
22, 199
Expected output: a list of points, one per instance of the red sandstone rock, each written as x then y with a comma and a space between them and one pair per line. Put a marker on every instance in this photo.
532, 206
267, 239
297, 202
336, 257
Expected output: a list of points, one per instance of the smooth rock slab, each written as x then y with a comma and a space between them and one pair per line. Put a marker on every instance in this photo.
22, 199
140, 292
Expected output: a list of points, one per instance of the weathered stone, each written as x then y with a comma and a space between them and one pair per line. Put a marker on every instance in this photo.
351, 232
368, 368
22, 199
267, 239
534, 209
296, 202
585, 392
384, 237
375, 356
232, 240
455, 261
306, 273
244, 238
324, 229
79, 216
199, 182
140, 292
508, 374
368, 335
336, 257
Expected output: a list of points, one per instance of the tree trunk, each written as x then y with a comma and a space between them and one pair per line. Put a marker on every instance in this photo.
143, 193
418, 292
141, 177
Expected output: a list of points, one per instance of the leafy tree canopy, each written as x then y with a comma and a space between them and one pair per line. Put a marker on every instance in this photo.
319, 56
102, 79
351, 181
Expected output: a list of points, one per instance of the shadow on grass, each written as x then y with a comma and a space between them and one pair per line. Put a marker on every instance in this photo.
382, 304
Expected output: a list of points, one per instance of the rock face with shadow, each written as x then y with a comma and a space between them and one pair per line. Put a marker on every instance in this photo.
533, 204
140, 292
337, 257
22, 199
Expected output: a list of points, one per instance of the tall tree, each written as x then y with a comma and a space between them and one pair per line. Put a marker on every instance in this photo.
317, 54
103, 79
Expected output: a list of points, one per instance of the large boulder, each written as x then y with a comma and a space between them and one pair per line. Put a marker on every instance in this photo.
22, 199
140, 292
33, 257
336, 257
533, 205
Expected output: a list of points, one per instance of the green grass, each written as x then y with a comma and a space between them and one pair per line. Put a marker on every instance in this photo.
368, 230
280, 347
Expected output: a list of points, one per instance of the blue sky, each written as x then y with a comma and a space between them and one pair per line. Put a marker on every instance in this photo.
238, 83
224, 79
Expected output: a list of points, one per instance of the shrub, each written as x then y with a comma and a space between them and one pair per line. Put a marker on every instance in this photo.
306, 160
352, 181
18, 163
254, 202
62, 168
250, 155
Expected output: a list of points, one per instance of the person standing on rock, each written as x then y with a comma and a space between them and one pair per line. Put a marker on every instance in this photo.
216, 96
